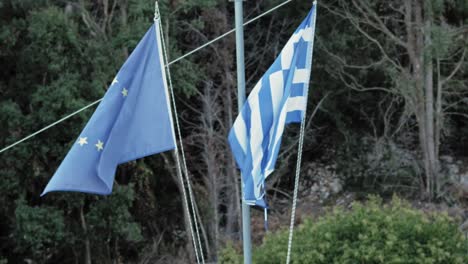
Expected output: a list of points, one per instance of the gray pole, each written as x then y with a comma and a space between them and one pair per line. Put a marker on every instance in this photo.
240, 102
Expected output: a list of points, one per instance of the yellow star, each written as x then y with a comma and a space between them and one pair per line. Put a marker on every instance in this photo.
83, 141
124, 92
99, 145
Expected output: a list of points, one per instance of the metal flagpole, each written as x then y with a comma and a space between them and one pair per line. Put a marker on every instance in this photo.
246, 237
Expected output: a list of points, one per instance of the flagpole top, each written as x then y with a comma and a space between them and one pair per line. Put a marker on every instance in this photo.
156, 10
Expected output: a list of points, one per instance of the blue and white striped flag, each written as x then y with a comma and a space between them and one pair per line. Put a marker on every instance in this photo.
279, 98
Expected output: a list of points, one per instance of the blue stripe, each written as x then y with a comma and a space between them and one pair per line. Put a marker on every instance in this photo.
294, 117
297, 89
236, 148
266, 108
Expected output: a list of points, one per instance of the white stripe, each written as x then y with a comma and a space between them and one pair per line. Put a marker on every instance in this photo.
301, 76
298, 103
287, 55
256, 131
256, 139
308, 34
240, 130
276, 80
277, 90
257, 87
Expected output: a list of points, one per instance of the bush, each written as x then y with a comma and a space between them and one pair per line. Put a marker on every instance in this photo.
370, 233
229, 255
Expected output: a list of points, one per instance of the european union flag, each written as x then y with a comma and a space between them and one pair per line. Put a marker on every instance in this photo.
132, 121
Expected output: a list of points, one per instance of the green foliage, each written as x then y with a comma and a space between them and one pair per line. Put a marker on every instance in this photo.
229, 255
51, 28
39, 231
3, 261
10, 118
111, 216
437, 6
57, 57
185, 78
370, 233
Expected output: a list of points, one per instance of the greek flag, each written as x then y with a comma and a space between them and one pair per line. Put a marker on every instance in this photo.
279, 98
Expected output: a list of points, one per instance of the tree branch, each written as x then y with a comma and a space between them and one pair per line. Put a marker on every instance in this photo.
377, 23
457, 67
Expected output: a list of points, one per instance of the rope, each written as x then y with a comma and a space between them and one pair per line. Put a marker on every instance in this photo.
167, 65
296, 187
229, 32
184, 194
296, 179
184, 162
299, 154
51, 125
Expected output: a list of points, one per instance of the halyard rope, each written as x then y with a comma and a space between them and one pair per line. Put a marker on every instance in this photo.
296, 180
299, 152
296, 187
191, 198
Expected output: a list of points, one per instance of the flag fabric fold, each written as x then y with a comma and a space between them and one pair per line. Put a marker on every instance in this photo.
133, 120
279, 98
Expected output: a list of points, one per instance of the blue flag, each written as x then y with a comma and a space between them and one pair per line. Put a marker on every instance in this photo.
133, 121
279, 98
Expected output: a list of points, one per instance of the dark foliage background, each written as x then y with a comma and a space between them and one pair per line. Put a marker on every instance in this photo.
57, 56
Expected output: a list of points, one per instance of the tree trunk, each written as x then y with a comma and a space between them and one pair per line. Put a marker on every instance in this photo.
424, 97
211, 161
438, 114
429, 92
86, 237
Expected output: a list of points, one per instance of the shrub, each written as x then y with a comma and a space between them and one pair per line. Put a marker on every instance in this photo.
229, 255
370, 233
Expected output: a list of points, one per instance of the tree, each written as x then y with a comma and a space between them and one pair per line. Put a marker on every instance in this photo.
403, 32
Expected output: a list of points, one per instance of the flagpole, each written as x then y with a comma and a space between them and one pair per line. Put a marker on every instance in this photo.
239, 17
